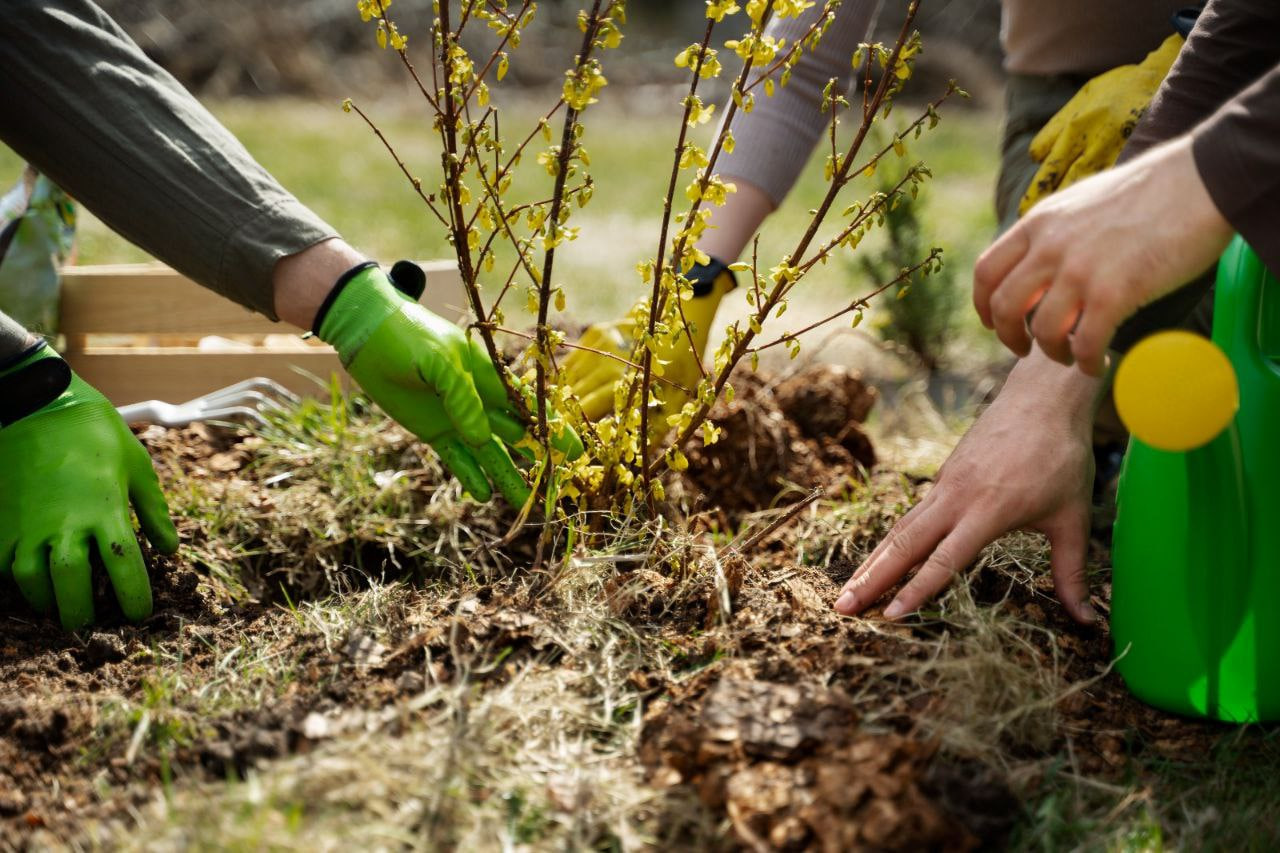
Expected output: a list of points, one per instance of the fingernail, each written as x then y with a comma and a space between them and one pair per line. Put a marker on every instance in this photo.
1087, 612
894, 610
845, 602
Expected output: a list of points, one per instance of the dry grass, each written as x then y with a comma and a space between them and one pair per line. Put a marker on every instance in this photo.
475, 705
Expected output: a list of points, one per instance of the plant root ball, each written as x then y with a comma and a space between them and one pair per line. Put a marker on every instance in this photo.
804, 433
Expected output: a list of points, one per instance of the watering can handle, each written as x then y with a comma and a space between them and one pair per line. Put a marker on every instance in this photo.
1237, 308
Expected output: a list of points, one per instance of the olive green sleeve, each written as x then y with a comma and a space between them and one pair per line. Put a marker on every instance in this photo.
14, 340
82, 102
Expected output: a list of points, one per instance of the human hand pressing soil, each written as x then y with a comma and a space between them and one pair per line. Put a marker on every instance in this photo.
1085, 259
1025, 464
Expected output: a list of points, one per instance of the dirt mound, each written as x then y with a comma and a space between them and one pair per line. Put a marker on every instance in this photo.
789, 766
796, 434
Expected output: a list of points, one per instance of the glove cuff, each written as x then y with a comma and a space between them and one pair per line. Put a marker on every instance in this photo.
361, 300
35, 380
704, 277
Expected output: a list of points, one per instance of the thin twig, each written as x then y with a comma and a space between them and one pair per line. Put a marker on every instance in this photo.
417, 184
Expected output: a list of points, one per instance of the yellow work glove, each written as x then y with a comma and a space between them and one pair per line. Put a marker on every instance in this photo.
1087, 135
593, 377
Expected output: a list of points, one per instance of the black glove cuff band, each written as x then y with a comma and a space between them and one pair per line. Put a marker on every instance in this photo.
338, 286
13, 361
31, 388
1184, 20
703, 276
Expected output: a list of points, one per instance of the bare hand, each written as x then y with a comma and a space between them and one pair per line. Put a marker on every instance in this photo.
1026, 463
1087, 258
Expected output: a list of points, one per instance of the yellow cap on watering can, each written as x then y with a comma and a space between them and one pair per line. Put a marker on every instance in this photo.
1176, 391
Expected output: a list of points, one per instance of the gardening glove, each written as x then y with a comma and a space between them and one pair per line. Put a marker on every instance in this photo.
430, 377
593, 377
71, 469
1087, 135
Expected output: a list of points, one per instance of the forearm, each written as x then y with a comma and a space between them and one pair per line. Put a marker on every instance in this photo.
732, 225
302, 282
1236, 156
80, 100
1040, 386
773, 142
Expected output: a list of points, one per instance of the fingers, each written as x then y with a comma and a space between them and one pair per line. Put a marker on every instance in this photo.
457, 457
1014, 298
72, 581
1069, 546
152, 509
994, 265
908, 544
566, 440
506, 427
485, 376
598, 403
605, 375
1092, 337
1055, 316
1051, 134
31, 574
1058, 151
495, 461
123, 560
581, 362
957, 550
457, 391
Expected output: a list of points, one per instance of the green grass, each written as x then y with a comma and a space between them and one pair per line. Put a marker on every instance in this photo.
335, 165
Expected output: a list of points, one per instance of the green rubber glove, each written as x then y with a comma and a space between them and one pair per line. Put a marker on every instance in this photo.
71, 470
431, 378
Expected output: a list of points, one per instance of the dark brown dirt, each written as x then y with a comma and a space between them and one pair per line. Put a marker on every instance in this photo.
797, 729
802, 433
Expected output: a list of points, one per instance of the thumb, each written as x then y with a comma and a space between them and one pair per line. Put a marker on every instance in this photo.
1069, 542
457, 391
1043, 142
149, 503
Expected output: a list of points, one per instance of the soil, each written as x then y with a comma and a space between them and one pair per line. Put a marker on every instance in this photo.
792, 728
783, 439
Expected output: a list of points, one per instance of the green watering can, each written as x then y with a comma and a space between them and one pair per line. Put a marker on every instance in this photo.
1195, 602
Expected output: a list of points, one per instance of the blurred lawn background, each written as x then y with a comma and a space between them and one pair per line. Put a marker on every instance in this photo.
276, 76
335, 165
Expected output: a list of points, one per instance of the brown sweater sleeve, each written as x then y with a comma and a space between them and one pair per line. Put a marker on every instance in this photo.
1225, 91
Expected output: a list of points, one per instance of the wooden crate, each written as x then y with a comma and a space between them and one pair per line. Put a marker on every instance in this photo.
144, 332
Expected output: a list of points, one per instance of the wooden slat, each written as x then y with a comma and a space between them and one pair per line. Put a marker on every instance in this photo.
178, 375
150, 299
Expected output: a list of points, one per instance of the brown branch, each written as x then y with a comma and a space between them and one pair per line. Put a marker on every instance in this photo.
610, 355
417, 184
655, 299
743, 343
544, 286
856, 305
448, 130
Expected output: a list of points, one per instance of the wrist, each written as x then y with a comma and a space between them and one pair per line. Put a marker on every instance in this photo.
303, 281
32, 383
359, 302
1041, 383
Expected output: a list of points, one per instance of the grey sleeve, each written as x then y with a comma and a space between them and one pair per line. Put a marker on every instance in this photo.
14, 339
80, 101
773, 141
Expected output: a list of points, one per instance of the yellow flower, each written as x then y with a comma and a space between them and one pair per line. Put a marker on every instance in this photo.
718, 9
